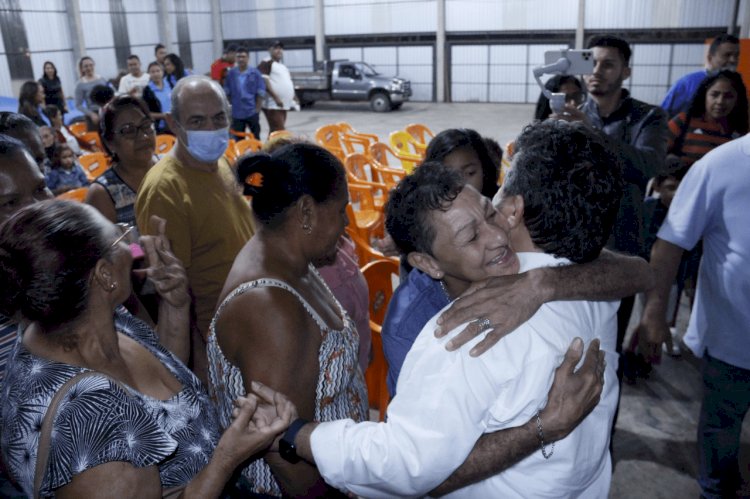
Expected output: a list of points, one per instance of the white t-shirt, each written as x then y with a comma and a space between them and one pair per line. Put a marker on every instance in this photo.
280, 81
129, 82
446, 400
712, 203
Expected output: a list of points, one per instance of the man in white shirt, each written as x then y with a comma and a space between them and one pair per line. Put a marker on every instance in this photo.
561, 199
280, 96
133, 82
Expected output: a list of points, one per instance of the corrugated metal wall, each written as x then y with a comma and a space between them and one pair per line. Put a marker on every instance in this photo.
143, 29
483, 72
98, 38
243, 19
294, 59
49, 40
644, 14
357, 17
192, 27
511, 15
47, 28
502, 73
496, 73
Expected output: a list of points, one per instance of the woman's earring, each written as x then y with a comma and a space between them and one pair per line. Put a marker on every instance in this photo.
113, 286
307, 228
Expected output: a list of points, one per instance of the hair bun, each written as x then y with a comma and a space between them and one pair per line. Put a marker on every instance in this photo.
252, 172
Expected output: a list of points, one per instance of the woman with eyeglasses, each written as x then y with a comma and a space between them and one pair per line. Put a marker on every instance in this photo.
139, 424
127, 132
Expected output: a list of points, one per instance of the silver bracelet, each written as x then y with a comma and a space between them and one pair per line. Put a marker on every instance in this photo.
540, 434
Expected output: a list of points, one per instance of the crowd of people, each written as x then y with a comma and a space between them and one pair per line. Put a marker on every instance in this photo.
168, 336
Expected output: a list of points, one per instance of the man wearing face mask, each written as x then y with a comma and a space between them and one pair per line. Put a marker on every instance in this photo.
193, 189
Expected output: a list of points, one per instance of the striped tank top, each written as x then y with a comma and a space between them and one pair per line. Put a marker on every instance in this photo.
340, 391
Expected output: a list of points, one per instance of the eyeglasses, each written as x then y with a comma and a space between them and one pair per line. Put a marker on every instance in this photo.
132, 131
127, 234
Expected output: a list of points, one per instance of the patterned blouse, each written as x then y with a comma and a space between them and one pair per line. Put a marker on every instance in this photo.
340, 392
98, 421
122, 195
8, 335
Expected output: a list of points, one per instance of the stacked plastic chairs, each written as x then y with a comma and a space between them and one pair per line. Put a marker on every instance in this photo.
382, 279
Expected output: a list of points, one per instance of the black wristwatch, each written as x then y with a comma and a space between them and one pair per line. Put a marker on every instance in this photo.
287, 449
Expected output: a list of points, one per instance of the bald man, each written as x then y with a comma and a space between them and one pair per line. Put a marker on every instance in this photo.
193, 189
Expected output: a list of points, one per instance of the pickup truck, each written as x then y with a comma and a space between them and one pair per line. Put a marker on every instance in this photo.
351, 81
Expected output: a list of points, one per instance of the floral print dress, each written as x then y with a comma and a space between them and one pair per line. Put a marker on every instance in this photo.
99, 421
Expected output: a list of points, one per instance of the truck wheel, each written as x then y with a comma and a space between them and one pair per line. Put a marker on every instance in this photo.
380, 102
397, 106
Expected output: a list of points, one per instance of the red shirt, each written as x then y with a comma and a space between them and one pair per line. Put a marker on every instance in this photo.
219, 69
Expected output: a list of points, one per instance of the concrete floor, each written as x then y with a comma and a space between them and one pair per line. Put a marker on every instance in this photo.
655, 440
502, 122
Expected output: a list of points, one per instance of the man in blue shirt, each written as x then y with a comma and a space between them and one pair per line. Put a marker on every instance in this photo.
245, 90
723, 53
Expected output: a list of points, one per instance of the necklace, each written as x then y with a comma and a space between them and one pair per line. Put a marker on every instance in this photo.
445, 290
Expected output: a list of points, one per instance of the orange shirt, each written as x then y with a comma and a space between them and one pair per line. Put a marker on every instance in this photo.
700, 137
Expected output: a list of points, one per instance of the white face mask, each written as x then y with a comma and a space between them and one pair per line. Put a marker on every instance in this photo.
207, 146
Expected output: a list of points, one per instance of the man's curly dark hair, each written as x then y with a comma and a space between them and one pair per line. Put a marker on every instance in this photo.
571, 184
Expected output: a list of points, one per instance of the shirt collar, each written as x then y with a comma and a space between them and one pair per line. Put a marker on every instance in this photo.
533, 260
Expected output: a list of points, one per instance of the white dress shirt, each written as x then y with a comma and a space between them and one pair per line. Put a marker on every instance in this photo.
446, 400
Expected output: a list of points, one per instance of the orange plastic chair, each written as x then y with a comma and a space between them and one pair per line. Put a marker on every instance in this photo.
351, 139
345, 127
384, 156
74, 194
164, 143
387, 176
405, 144
246, 145
356, 171
93, 141
365, 252
327, 137
380, 276
365, 220
420, 132
78, 129
94, 164
354, 144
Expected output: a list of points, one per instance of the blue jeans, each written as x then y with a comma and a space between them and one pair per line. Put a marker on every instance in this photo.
726, 400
